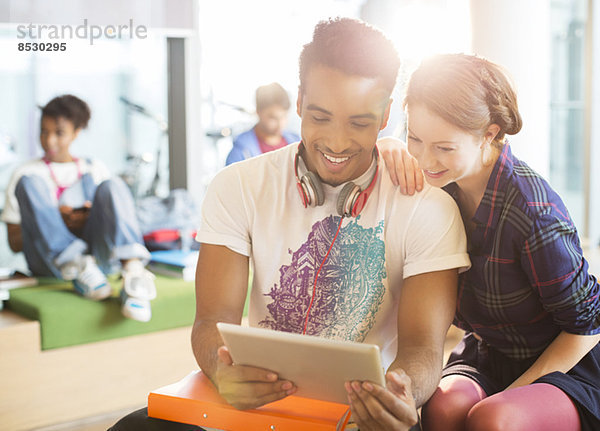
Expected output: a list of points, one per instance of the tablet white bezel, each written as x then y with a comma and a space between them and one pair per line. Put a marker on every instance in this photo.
317, 366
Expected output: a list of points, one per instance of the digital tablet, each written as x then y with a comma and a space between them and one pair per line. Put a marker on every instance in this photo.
317, 366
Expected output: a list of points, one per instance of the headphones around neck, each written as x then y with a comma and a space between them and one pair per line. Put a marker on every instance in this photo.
351, 199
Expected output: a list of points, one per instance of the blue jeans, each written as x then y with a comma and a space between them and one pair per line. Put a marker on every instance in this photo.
111, 232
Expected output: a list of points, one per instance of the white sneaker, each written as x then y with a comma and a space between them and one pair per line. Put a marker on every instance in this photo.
70, 270
138, 290
87, 278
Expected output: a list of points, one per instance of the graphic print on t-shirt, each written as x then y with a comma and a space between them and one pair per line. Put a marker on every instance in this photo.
350, 286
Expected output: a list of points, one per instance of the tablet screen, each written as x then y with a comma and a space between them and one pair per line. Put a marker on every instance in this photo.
317, 366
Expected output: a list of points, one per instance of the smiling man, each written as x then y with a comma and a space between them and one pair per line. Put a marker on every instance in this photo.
336, 250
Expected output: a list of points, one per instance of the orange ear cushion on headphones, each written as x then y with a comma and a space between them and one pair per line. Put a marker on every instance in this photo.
313, 189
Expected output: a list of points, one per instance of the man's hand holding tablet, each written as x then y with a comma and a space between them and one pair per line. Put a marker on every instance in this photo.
259, 366
247, 387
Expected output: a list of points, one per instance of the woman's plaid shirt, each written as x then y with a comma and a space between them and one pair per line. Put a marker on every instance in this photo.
528, 280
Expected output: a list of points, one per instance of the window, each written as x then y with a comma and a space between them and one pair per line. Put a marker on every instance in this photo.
106, 74
567, 105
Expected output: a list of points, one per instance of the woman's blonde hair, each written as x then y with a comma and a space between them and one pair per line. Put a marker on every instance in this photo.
467, 91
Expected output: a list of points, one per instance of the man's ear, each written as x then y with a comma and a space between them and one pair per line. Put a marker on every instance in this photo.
386, 114
299, 103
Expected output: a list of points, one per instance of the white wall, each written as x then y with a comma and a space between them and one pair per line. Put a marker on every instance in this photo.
515, 34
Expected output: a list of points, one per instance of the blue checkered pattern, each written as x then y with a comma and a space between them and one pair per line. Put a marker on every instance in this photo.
528, 279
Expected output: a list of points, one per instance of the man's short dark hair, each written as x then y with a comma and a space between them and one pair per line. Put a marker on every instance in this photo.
272, 94
352, 47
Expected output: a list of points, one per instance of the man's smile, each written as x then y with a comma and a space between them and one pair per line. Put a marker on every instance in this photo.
336, 160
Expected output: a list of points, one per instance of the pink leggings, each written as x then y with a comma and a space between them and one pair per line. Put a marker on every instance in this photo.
460, 404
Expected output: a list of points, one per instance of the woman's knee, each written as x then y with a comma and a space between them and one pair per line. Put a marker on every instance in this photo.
448, 407
490, 415
538, 406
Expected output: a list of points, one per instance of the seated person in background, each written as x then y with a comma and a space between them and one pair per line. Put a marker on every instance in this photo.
350, 258
272, 106
67, 215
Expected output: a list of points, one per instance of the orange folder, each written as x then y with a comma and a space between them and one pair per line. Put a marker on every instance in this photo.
195, 400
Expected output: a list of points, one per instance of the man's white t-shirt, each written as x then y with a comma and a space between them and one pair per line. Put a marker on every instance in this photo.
253, 208
66, 174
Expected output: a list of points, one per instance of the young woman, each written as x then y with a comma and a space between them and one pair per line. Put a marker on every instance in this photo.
67, 215
530, 359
